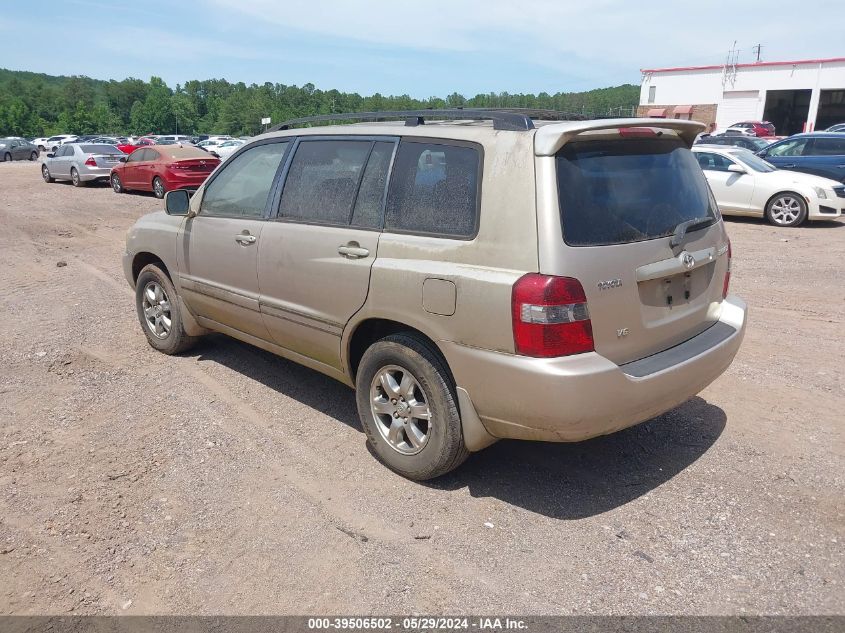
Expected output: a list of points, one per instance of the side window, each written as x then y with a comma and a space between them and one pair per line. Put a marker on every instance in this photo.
242, 186
322, 180
434, 189
789, 148
150, 154
828, 147
135, 156
66, 150
713, 162
370, 200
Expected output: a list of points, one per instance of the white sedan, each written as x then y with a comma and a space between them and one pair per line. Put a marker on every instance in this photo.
745, 184
227, 148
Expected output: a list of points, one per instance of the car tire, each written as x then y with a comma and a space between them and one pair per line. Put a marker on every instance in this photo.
117, 184
158, 188
7, 157
41, 148
159, 312
45, 174
75, 179
786, 209
407, 367
33, 156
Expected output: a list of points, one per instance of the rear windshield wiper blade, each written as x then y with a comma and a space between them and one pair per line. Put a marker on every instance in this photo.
678, 237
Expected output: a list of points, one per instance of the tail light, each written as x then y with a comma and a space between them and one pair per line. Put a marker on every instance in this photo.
550, 317
91, 162
727, 283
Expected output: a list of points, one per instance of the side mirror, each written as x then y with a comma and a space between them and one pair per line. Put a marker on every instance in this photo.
122, 159
51, 155
736, 169
177, 202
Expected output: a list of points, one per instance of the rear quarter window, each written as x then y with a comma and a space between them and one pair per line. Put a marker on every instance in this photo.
629, 190
434, 190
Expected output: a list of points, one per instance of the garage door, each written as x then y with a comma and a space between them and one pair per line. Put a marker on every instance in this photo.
736, 106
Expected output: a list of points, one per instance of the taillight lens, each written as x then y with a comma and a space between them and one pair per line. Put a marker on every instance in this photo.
550, 317
727, 284
91, 162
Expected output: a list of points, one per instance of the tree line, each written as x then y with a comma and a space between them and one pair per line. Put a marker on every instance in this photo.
33, 104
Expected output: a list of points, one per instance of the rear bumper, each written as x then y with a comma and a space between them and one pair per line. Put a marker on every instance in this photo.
94, 173
578, 397
184, 181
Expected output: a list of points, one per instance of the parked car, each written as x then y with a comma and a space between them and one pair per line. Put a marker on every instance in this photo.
839, 127
175, 138
80, 163
17, 149
227, 148
375, 254
160, 168
54, 142
41, 142
746, 142
745, 184
752, 128
819, 153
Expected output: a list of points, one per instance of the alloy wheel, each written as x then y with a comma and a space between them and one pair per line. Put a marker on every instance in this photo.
785, 210
400, 409
156, 307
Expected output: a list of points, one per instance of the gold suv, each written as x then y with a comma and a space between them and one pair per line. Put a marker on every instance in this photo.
472, 274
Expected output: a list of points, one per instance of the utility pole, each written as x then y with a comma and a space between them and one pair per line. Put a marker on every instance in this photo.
758, 48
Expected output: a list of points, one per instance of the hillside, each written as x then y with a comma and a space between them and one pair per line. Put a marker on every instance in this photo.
35, 104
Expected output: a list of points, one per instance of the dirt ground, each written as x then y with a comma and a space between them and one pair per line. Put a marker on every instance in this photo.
230, 481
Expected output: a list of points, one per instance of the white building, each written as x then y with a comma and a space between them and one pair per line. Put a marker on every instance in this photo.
795, 96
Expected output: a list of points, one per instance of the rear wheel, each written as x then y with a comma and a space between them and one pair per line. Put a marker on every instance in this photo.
7, 157
45, 174
117, 184
408, 408
159, 313
158, 187
786, 209
75, 179
33, 156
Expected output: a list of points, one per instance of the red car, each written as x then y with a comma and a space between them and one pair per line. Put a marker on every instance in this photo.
162, 168
128, 148
754, 128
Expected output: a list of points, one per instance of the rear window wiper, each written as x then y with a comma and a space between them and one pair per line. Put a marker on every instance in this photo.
679, 236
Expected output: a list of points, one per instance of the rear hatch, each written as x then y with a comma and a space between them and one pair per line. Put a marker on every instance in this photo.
621, 196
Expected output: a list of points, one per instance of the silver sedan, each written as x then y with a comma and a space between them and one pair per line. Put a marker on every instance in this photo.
80, 163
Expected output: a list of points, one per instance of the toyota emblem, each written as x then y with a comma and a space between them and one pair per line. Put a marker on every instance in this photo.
688, 261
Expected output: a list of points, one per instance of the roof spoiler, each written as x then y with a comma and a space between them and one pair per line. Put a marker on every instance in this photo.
550, 138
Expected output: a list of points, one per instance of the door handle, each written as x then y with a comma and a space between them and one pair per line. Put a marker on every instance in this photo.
353, 250
245, 239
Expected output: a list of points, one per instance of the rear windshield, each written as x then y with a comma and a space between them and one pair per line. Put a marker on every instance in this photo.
629, 190
100, 149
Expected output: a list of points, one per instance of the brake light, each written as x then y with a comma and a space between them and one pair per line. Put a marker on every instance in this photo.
727, 283
91, 162
637, 131
550, 317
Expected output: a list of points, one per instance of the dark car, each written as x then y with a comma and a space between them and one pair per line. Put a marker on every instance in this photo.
819, 153
746, 142
17, 149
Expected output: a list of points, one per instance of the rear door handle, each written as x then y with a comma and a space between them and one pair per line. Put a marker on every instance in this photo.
245, 239
353, 250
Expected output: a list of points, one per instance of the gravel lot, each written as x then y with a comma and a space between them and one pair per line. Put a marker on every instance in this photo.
231, 481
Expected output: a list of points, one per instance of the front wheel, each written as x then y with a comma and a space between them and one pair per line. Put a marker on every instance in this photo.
45, 174
158, 187
408, 408
159, 312
786, 209
7, 157
33, 156
117, 184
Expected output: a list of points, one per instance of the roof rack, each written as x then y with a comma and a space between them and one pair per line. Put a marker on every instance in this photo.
515, 119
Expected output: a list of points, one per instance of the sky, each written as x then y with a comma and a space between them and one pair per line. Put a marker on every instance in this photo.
422, 49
